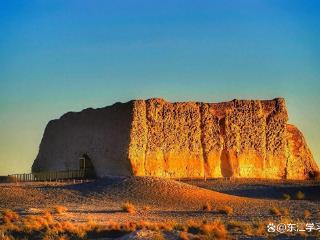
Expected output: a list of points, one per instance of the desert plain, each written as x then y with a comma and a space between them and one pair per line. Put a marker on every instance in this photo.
157, 208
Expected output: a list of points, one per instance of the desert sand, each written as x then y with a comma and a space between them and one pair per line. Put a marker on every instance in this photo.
158, 200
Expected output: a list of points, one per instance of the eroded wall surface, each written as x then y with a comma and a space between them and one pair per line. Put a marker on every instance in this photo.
240, 138
300, 164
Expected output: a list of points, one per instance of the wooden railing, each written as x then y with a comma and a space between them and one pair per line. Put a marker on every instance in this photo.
48, 176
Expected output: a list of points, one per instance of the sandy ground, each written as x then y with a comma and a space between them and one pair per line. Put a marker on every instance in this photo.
167, 200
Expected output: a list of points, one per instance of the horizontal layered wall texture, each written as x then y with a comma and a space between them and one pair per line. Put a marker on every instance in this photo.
240, 138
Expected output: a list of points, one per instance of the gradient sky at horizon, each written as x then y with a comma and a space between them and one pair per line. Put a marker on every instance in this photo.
58, 56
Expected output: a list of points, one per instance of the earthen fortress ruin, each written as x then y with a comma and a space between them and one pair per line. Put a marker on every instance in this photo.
240, 138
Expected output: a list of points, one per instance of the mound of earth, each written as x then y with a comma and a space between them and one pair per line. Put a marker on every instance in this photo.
114, 191
153, 191
158, 199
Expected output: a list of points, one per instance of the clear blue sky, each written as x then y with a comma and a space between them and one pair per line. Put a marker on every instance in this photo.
58, 56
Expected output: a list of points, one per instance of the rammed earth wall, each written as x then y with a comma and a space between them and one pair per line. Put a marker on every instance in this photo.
240, 138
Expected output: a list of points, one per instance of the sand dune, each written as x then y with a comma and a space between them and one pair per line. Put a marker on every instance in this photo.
154, 191
113, 191
165, 197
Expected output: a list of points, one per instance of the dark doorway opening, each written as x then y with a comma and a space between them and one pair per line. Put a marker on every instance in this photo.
87, 166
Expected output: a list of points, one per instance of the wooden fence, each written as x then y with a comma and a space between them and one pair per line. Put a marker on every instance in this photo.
49, 176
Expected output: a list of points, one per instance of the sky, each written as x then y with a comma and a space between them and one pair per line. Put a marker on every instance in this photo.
58, 56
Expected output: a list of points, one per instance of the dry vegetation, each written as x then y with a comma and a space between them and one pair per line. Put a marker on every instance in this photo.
146, 208
275, 211
59, 209
286, 196
300, 195
207, 207
278, 212
183, 236
109, 209
285, 212
225, 210
46, 226
128, 207
307, 214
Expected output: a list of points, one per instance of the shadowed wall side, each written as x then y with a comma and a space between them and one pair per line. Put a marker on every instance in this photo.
101, 134
300, 162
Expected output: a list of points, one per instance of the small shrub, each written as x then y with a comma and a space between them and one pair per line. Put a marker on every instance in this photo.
168, 225
114, 226
158, 236
314, 175
306, 213
181, 227
300, 195
285, 211
193, 226
146, 208
243, 227
207, 207
260, 229
226, 210
6, 237
63, 237
279, 211
47, 215
216, 229
128, 207
183, 236
129, 227
9, 216
275, 211
153, 227
37, 223
59, 209
286, 196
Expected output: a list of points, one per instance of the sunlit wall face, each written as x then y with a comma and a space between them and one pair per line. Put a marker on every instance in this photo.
59, 56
